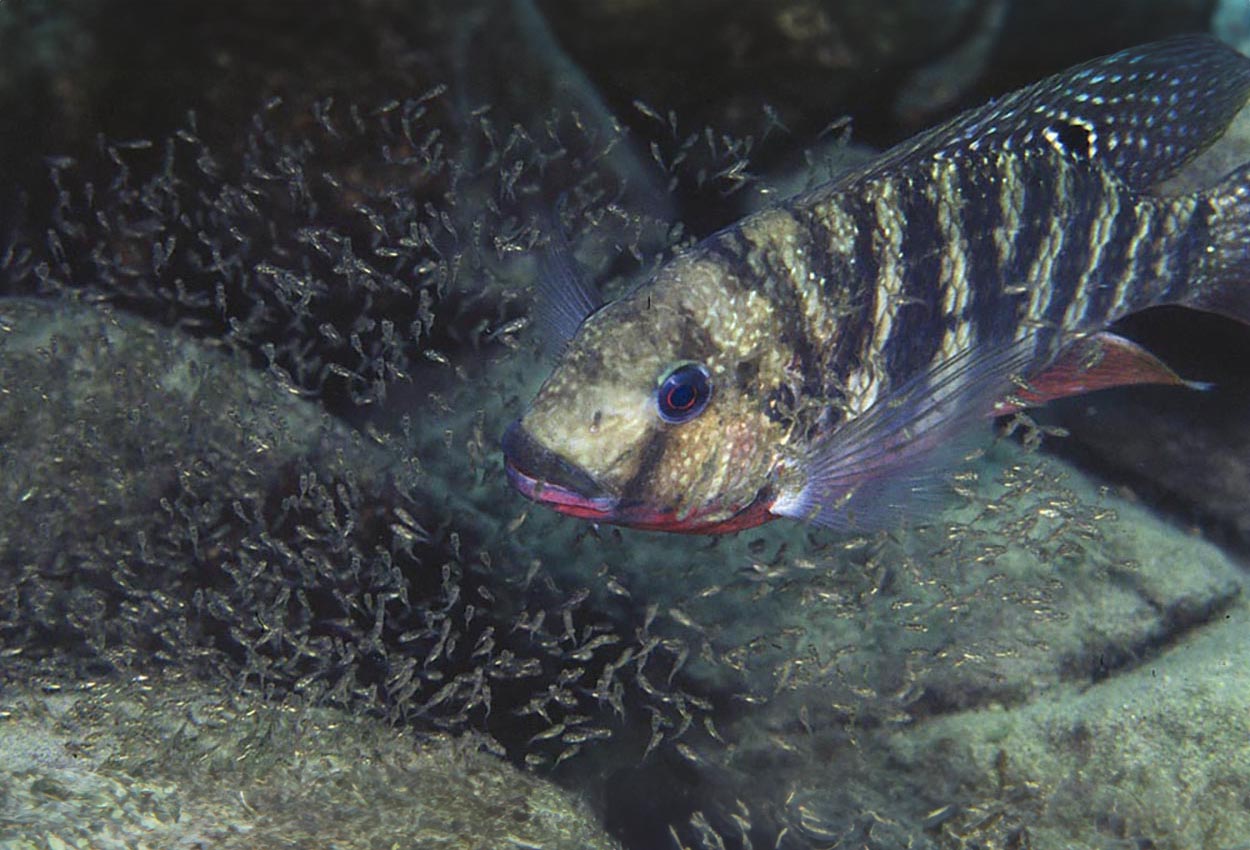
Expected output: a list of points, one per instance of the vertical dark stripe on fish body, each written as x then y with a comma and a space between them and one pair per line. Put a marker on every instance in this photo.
1103, 200
1110, 257
1181, 220
1152, 256
811, 278
1190, 250
843, 264
737, 259
831, 259
865, 269
730, 250
886, 217
780, 262
956, 286
1038, 243
1079, 211
652, 453
996, 309
1128, 278
826, 270
1156, 252
918, 326
982, 218
879, 257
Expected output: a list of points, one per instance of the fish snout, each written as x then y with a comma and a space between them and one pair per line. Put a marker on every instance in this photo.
544, 476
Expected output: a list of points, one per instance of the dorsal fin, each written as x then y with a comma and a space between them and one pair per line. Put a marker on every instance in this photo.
564, 298
1141, 113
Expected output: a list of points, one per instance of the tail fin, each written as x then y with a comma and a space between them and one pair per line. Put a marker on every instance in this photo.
1223, 279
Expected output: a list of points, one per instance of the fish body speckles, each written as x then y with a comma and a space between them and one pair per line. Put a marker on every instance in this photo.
816, 358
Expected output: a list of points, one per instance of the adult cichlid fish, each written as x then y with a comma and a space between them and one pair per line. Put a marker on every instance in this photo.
816, 359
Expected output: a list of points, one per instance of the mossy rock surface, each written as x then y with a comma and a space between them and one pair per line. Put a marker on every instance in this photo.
172, 762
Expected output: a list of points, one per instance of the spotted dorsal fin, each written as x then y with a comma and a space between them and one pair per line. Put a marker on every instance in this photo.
1143, 113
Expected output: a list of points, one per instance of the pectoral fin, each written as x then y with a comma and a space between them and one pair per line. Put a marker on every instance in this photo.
892, 460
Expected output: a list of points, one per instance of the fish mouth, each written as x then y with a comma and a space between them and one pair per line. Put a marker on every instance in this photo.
545, 477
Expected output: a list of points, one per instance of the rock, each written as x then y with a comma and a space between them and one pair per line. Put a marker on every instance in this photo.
1231, 22
167, 762
103, 414
1154, 757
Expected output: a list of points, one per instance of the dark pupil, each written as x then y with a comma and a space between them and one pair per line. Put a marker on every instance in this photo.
681, 397
684, 394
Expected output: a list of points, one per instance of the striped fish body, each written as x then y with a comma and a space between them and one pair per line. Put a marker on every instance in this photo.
815, 359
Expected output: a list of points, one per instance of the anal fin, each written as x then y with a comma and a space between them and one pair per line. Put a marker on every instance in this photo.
1095, 362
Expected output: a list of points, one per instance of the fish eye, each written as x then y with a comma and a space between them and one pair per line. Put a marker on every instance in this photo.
683, 393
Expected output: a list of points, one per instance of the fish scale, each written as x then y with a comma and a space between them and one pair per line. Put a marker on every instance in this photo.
828, 352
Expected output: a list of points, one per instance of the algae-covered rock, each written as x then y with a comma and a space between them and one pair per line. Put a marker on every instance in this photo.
173, 762
102, 413
1231, 22
1154, 757
128, 451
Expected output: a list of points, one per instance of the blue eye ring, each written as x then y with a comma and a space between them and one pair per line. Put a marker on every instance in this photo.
683, 393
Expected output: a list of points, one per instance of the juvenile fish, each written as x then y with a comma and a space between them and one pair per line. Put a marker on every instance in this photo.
818, 358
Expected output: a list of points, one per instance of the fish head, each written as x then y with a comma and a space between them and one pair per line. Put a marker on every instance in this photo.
654, 417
